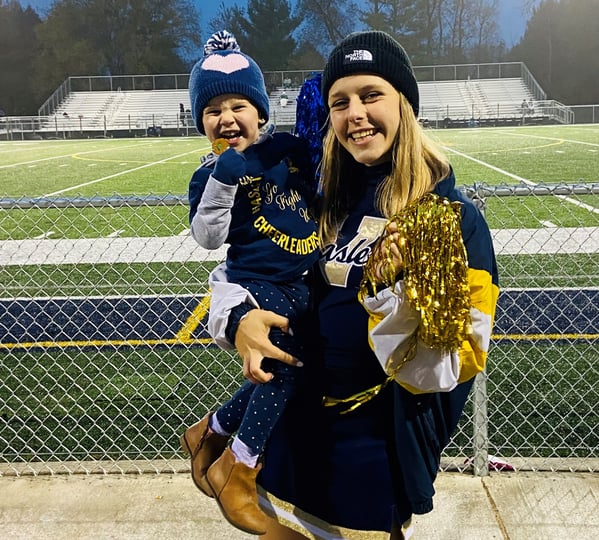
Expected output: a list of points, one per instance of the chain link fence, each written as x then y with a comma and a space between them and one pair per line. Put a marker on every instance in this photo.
106, 358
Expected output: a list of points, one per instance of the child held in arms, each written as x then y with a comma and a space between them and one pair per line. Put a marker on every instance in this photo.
251, 192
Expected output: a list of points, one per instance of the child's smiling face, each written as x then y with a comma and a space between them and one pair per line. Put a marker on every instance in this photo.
234, 118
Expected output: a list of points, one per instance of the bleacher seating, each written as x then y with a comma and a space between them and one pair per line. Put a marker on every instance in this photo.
460, 101
131, 109
474, 98
282, 111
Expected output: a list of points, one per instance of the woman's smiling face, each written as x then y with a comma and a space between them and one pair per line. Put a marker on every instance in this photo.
364, 113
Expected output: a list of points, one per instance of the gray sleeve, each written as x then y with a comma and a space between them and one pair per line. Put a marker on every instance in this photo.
210, 224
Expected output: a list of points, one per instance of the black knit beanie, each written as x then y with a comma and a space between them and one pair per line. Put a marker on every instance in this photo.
372, 52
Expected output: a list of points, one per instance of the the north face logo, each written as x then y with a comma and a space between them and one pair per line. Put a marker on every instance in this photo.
359, 55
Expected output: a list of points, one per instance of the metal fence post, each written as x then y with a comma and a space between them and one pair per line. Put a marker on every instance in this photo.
480, 426
480, 417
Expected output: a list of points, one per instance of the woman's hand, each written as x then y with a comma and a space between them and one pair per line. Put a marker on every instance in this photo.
253, 344
389, 258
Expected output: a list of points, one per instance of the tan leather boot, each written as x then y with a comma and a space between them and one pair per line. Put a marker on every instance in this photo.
205, 448
233, 485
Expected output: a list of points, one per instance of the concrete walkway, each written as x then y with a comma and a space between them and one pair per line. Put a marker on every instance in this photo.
514, 506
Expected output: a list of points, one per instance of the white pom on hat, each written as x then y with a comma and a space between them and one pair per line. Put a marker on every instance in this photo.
221, 41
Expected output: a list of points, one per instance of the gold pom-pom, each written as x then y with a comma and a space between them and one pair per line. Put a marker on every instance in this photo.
435, 269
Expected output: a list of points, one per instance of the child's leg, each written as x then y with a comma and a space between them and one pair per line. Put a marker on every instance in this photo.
204, 446
206, 440
228, 416
266, 404
268, 400
232, 478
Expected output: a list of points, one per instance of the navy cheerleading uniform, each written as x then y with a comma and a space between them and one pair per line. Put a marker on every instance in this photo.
331, 474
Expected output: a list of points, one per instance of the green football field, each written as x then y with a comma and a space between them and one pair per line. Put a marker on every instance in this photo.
533, 382
545, 154
157, 166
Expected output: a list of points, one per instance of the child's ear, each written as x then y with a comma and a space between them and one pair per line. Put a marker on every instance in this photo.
261, 122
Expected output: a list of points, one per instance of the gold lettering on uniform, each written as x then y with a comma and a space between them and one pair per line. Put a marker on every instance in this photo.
288, 201
297, 246
255, 199
261, 224
253, 193
249, 180
337, 262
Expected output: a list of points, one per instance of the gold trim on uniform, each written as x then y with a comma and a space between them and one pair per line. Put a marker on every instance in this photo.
309, 525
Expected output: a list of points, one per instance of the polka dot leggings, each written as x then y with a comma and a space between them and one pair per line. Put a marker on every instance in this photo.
253, 409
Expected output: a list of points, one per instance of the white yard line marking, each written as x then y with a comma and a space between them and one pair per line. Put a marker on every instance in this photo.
489, 166
106, 250
520, 179
528, 135
579, 204
182, 248
145, 166
47, 234
69, 155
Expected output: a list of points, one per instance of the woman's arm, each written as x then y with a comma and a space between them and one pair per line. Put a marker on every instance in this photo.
394, 323
235, 317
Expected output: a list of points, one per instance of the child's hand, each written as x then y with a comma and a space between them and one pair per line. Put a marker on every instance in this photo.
230, 167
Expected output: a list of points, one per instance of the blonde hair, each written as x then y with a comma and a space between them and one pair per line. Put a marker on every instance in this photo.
418, 165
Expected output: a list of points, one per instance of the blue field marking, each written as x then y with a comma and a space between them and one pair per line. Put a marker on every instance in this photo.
547, 312
97, 320
522, 314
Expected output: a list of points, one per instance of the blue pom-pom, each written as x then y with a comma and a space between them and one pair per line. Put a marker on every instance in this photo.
311, 117
221, 41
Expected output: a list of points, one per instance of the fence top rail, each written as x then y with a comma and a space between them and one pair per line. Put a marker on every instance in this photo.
482, 190
113, 201
479, 190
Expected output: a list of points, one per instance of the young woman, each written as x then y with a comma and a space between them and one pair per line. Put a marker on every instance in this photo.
355, 455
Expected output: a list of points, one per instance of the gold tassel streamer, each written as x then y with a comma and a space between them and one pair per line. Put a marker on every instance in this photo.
366, 395
357, 399
435, 275
435, 269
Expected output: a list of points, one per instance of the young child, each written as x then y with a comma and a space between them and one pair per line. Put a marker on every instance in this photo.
250, 192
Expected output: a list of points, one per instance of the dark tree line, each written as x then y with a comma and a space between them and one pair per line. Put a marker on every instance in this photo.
561, 48
90, 37
128, 37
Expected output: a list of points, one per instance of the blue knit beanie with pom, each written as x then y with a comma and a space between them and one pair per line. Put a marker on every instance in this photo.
225, 70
